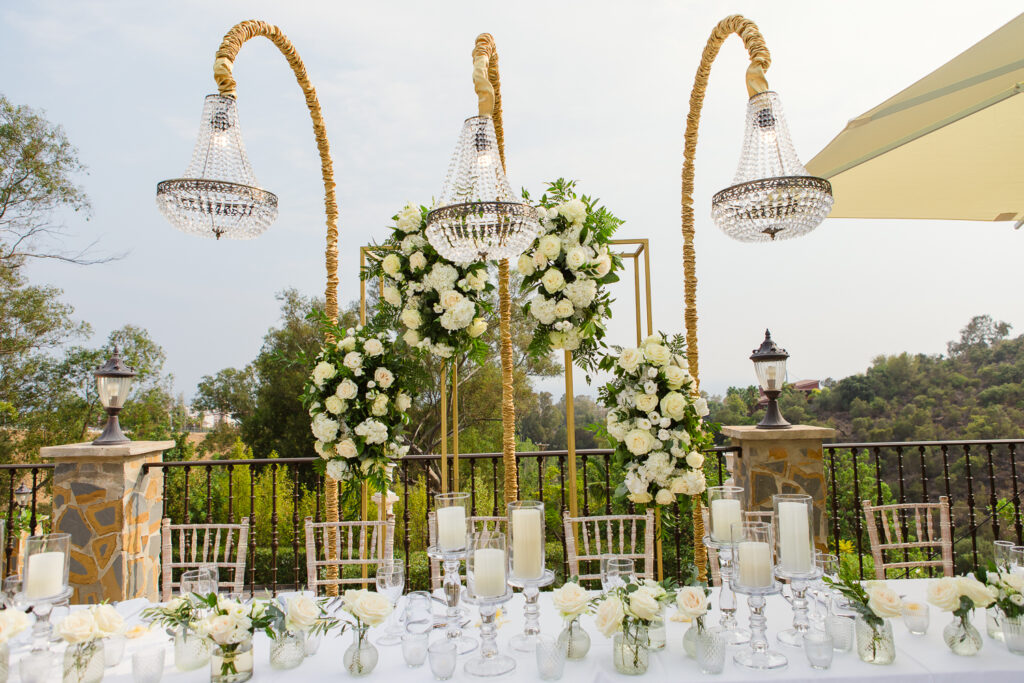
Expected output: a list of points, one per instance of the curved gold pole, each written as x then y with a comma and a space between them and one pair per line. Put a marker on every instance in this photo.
760, 60
222, 68
488, 89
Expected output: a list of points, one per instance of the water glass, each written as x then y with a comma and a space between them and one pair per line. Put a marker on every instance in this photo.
840, 629
1001, 554
550, 658
443, 655
38, 667
818, 648
12, 587
113, 650
615, 572
148, 664
1017, 558
418, 615
414, 647
390, 580
915, 617
198, 581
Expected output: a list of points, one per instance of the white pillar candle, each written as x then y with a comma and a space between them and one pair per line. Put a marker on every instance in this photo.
794, 537
488, 572
45, 574
527, 552
724, 513
451, 527
755, 558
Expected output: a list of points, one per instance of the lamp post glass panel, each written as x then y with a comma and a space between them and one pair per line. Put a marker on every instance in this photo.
113, 382
770, 365
22, 495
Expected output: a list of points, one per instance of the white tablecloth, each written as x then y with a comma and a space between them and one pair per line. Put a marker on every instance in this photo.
924, 658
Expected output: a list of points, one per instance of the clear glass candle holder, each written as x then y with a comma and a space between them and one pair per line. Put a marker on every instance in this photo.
148, 664
615, 571
725, 509
915, 617
414, 648
550, 658
45, 573
442, 654
818, 648
794, 532
452, 511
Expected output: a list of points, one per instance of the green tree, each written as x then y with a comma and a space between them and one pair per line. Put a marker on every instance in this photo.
231, 391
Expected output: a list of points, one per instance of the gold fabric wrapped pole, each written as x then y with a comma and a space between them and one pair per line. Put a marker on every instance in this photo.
488, 88
760, 60
455, 425
444, 428
222, 74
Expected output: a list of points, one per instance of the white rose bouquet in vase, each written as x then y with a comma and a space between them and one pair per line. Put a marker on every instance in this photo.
179, 616
84, 631
229, 626
367, 608
655, 421
566, 271
441, 306
292, 621
12, 622
1008, 589
960, 595
357, 397
625, 614
875, 603
572, 602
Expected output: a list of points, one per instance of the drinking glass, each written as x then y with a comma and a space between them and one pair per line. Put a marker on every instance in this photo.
12, 587
1001, 554
615, 572
197, 581
818, 648
550, 658
1017, 559
829, 566
443, 655
390, 580
148, 664
418, 615
915, 617
414, 647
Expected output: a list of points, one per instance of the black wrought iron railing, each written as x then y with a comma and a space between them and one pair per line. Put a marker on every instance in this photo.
26, 505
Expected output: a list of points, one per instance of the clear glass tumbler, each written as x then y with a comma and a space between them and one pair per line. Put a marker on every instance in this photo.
148, 664
915, 617
414, 647
550, 658
818, 648
443, 654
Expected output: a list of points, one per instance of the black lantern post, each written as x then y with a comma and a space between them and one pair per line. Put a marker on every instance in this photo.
113, 382
770, 365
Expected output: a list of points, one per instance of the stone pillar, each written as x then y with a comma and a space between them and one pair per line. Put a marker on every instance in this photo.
782, 461
112, 508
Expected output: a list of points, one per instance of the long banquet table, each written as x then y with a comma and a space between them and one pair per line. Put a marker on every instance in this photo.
918, 658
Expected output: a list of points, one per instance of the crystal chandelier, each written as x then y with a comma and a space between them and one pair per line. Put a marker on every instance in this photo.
772, 195
479, 217
218, 195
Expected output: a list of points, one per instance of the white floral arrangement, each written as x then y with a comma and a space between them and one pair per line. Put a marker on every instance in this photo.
1008, 589
357, 401
87, 625
566, 271
959, 595
636, 603
12, 622
656, 421
368, 608
299, 614
571, 600
229, 625
442, 306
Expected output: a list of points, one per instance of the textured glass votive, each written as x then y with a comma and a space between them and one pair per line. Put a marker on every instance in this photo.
443, 655
818, 647
148, 665
414, 648
840, 628
550, 658
915, 617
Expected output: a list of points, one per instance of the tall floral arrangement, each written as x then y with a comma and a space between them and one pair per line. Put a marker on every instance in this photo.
357, 400
656, 421
440, 306
566, 271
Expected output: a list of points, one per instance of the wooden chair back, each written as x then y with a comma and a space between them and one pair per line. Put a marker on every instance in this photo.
475, 524
619, 535
356, 544
199, 545
911, 527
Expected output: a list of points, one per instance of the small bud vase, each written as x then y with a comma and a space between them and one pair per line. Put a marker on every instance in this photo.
287, 650
574, 640
361, 656
190, 650
630, 651
962, 638
231, 663
875, 645
690, 641
83, 663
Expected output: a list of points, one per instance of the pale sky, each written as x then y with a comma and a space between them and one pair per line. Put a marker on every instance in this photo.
595, 91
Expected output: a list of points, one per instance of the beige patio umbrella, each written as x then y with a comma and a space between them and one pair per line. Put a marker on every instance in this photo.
951, 146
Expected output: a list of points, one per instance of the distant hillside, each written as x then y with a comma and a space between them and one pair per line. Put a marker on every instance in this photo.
974, 391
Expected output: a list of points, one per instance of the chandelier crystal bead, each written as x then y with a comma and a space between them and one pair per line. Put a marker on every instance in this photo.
218, 195
479, 217
772, 196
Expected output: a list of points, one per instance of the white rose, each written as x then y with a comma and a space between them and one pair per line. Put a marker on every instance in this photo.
392, 296
411, 318
678, 486
323, 372
576, 258
402, 401
629, 359
352, 360
108, 621
695, 482
550, 246
564, 308
539, 260
574, 211
673, 405
645, 403
78, 627
692, 602
383, 377
334, 405
882, 600
553, 280
451, 299
639, 441
944, 593
372, 608
417, 261
695, 460
477, 327
664, 497
302, 612
12, 622
525, 265
1014, 581
570, 600
701, 406
324, 450
373, 347
477, 280
411, 337
347, 390
980, 594
640, 497
609, 616
391, 264
337, 469
347, 344
346, 448
675, 376
603, 264
642, 605
658, 354
409, 218
380, 405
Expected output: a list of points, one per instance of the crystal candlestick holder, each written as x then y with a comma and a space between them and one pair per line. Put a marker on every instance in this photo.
527, 640
490, 662
731, 630
452, 585
799, 583
759, 657
42, 630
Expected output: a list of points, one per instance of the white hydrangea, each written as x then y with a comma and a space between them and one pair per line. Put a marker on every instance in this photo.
574, 210
543, 309
459, 316
581, 292
409, 219
441, 277
324, 428
337, 469
373, 431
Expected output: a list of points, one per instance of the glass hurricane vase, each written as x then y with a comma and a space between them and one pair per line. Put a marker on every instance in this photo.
287, 650
875, 644
361, 656
191, 651
630, 650
574, 640
1013, 633
84, 663
231, 663
962, 638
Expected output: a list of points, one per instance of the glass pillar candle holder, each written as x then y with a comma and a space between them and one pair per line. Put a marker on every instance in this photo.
45, 573
756, 579
451, 514
452, 510
725, 510
794, 526
730, 629
486, 586
526, 565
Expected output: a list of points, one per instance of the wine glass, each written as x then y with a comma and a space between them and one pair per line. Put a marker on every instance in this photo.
616, 572
829, 566
390, 580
